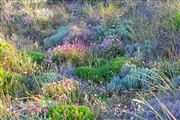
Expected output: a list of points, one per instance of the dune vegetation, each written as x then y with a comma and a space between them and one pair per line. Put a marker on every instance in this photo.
89, 60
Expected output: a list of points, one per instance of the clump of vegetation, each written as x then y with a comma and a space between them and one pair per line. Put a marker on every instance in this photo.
64, 91
121, 29
177, 20
135, 78
73, 53
71, 112
103, 73
14, 61
37, 57
57, 38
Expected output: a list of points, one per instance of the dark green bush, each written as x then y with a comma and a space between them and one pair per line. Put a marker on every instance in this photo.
105, 72
37, 57
70, 112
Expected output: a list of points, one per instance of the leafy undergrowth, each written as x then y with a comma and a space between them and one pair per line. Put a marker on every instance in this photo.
87, 60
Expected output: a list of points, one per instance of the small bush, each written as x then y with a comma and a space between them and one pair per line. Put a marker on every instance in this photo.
135, 78
111, 47
71, 112
104, 72
37, 57
122, 30
64, 91
57, 38
74, 53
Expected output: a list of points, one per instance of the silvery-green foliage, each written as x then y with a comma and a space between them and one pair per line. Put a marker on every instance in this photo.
176, 81
57, 38
120, 29
135, 78
143, 50
50, 77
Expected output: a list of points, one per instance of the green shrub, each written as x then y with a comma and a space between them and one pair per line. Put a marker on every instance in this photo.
70, 112
177, 20
37, 57
88, 73
104, 72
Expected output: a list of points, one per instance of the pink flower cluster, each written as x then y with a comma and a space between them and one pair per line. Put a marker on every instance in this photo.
78, 48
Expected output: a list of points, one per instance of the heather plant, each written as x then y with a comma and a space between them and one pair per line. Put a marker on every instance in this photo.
70, 112
102, 73
135, 78
74, 53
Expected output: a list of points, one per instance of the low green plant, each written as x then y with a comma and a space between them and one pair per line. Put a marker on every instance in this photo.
104, 72
37, 57
177, 19
70, 112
